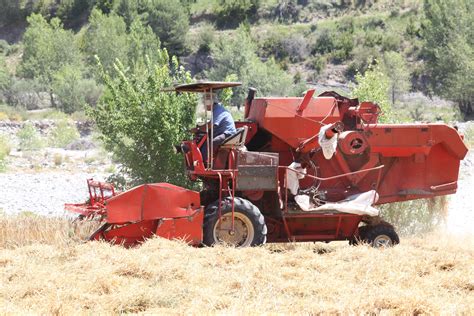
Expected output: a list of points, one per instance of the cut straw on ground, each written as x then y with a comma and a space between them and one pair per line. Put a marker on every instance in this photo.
45, 268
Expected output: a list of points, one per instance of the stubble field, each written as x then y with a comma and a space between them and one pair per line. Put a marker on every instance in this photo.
45, 268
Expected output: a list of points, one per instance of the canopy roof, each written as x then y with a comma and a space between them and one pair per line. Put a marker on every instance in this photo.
205, 86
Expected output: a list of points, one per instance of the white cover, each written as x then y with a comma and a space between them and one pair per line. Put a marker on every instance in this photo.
360, 204
292, 177
328, 145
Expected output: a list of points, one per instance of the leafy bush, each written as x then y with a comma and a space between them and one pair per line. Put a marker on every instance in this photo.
205, 38
417, 216
24, 93
140, 123
237, 56
373, 86
12, 113
73, 91
5, 79
64, 133
47, 49
318, 63
106, 38
231, 13
29, 138
170, 23
448, 50
4, 151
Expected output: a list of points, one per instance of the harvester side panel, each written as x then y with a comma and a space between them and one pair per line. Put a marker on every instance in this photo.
152, 201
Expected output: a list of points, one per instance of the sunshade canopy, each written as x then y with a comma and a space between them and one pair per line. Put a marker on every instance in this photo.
204, 86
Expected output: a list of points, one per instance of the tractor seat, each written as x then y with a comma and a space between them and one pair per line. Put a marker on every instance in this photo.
237, 139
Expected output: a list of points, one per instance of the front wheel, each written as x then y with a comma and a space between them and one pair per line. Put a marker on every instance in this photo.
249, 224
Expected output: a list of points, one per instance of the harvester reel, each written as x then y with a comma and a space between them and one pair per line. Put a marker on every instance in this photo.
249, 224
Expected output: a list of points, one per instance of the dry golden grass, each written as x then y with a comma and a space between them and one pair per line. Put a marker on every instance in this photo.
45, 269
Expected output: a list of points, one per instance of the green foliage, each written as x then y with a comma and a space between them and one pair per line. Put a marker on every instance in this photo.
417, 216
11, 11
47, 48
5, 149
237, 56
63, 133
105, 38
140, 123
169, 22
231, 13
395, 68
29, 138
205, 38
108, 38
374, 86
5, 78
142, 44
73, 90
449, 50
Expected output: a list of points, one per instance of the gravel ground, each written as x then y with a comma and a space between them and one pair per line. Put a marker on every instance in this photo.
42, 193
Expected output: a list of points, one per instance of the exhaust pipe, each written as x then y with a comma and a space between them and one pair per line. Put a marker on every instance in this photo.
248, 101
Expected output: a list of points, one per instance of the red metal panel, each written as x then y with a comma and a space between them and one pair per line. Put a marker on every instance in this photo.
279, 117
187, 229
152, 201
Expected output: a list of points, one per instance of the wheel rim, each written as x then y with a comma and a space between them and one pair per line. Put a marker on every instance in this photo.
241, 236
382, 241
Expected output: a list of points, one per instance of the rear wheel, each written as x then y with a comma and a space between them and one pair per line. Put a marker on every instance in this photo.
249, 224
380, 236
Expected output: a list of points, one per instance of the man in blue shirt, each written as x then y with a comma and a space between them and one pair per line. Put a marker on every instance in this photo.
222, 120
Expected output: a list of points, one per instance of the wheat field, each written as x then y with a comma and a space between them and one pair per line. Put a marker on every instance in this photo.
45, 268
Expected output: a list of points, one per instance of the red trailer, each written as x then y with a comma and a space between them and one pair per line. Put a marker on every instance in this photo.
249, 194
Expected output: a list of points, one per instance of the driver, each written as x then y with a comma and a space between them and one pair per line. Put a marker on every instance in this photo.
222, 121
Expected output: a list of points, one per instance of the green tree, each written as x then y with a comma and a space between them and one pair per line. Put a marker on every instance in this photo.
230, 13
11, 11
169, 22
374, 86
105, 37
449, 50
73, 90
5, 78
236, 55
396, 69
142, 44
47, 48
140, 123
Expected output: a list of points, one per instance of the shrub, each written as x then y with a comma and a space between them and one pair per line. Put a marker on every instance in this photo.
29, 138
318, 63
417, 216
237, 56
205, 38
373, 86
64, 133
231, 13
73, 91
5, 79
27, 94
58, 159
47, 48
4, 151
140, 123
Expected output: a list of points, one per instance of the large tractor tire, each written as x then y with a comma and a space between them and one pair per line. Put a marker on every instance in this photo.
249, 224
382, 235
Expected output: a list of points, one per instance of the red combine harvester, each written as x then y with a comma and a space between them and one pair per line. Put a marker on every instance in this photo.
298, 169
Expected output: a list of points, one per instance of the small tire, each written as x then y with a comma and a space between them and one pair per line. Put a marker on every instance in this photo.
380, 236
249, 224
